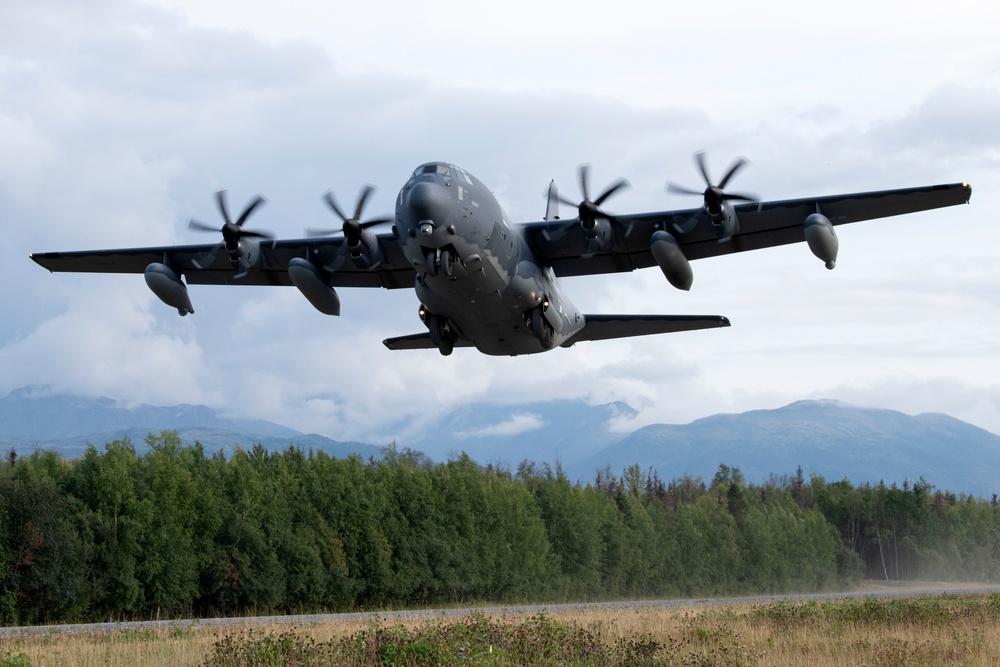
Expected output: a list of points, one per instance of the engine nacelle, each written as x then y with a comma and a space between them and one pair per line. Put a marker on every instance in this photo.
671, 260
313, 284
822, 238
367, 249
166, 284
600, 236
724, 223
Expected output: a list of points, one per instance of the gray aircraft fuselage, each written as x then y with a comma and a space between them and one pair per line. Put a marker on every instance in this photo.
476, 276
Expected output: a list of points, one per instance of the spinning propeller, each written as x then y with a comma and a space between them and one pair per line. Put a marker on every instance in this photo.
589, 211
232, 232
714, 195
352, 226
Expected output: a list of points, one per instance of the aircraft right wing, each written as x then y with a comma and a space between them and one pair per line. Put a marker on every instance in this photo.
564, 244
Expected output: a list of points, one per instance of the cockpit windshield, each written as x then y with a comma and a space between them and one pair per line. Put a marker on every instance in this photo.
432, 168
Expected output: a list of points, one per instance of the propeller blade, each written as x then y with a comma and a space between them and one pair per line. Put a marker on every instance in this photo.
732, 170
313, 231
362, 198
611, 190
590, 208
564, 200
714, 195
584, 177
257, 201
258, 234
206, 260
332, 203
220, 200
699, 158
681, 190
242, 268
553, 232
687, 225
338, 259
231, 232
375, 221
359, 208
201, 226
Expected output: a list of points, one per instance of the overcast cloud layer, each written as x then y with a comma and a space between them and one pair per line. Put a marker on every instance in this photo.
119, 119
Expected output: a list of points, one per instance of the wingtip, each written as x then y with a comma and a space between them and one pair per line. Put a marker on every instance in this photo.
37, 260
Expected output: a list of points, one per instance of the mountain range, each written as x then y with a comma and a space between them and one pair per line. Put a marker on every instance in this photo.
828, 438
35, 416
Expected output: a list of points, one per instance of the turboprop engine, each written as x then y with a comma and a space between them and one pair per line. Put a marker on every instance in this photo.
671, 260
717, 206
166, 284
822, 238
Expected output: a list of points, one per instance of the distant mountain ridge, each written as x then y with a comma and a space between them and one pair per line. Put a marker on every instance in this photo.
37, 416
829, 438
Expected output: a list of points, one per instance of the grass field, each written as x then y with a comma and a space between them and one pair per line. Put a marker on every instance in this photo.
924, 630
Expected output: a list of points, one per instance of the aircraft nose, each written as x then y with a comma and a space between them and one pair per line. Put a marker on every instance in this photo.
428, 201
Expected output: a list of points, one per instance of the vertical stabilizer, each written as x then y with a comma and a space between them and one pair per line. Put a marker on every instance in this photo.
552, 206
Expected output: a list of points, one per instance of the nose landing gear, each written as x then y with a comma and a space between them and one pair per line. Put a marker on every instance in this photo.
439, 260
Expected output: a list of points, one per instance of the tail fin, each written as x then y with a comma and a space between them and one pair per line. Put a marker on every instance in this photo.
552, 207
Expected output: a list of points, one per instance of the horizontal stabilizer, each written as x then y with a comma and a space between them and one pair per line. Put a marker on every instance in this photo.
603, 327
417, 341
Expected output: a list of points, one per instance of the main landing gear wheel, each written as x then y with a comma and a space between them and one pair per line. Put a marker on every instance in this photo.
541, 328
440, 334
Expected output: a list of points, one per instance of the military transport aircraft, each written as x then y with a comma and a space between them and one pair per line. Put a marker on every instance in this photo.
487, 282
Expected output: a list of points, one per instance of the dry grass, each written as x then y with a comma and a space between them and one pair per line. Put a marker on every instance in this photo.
928, 630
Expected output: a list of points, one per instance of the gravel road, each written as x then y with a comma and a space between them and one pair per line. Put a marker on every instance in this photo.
869, 589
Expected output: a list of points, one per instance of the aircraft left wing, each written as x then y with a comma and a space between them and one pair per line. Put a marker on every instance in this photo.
565, 246
199, 266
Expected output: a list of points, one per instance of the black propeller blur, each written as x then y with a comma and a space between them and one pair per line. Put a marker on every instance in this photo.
232, 232
713, 195
353, 225
589, 211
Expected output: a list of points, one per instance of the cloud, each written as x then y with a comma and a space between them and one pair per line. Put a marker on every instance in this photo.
123, 354
117, 123
516, 424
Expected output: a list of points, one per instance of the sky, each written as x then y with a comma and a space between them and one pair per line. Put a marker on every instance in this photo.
119, 119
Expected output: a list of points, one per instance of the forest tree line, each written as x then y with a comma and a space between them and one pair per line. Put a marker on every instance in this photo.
178, 532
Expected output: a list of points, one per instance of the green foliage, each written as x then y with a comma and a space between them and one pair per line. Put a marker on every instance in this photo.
177, 532
9, 659
925, 611
474, 640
